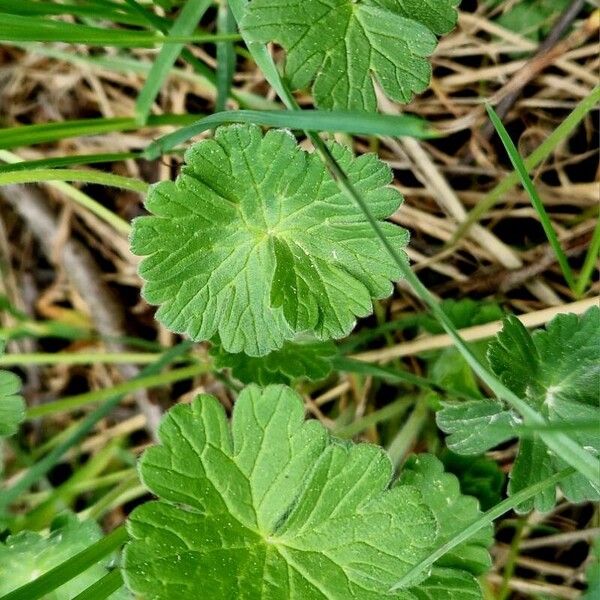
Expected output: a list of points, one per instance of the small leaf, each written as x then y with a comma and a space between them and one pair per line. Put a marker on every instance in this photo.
27, 555
12, 405
254, 242
295, 360
476, 426
453, 511
273, 508
478, 476
343, 47
557, 371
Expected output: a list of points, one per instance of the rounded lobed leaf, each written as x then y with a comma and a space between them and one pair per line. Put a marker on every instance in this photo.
295, 360
343, 47
272, 507
254, 243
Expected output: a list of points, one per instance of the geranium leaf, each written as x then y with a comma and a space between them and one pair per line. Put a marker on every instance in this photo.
27, 555
557, 371
12, 405
254, 243
453, 511
274, 508
295, 360
342, 47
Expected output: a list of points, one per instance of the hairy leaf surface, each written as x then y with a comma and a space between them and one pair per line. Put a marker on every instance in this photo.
295, 360
342, 47
254, 243
27, 555
275, 508
556, 370
12, 405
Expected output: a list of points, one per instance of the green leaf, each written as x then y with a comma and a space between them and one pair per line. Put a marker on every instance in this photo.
254, 243
453, 512
478, 476
295, 360
557, 372
273, 508
343, 47
12, 405
27, 555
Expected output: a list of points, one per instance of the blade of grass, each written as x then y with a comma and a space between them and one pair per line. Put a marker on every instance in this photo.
28, 135
589, 263
225, 55
115, 14
16, 28
80, 358
538, 205
350, 365
81, 175
43, 465
488, 517
535, 158
103, 588
562, 445
184, 25
69, 569
147, 381
67, 161
359, 123
395, 409
78, 196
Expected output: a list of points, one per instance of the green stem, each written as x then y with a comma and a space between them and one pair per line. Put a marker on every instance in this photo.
486, 519
590, 262
563, 446
69, 569
85, 176
80, 400
103, 588
405, 438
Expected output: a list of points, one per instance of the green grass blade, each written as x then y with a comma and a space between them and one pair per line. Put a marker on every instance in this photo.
43, 465
184, 25
67, 161
114, 13
28, 135
40, 587
488, 517
85, 176
590, 262
359, 123
538, 205
76, 402
225, 55
535, 158
17, 28
103, 588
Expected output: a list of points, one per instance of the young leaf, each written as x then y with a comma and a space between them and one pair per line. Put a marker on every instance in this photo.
344, 47
255, 243
12, 405
556, 370
274, 508
27, 555
295, 360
